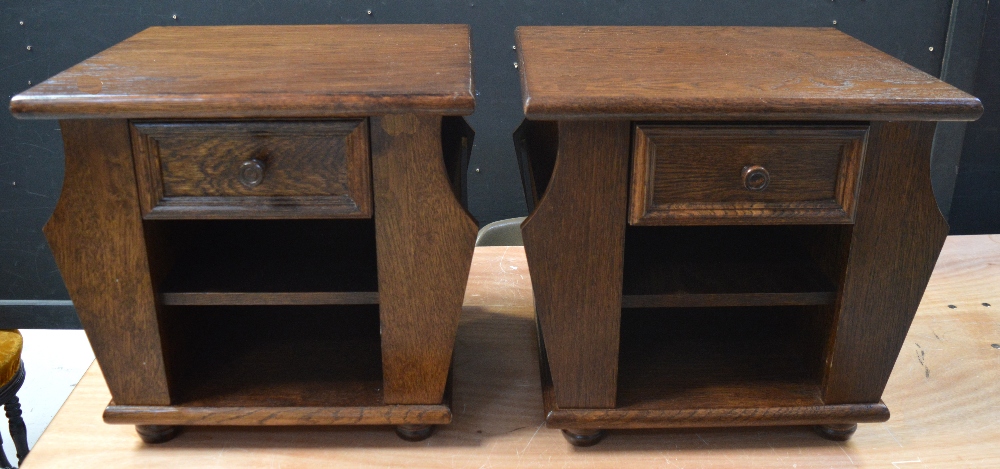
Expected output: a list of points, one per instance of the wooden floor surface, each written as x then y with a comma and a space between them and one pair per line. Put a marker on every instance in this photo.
944, 395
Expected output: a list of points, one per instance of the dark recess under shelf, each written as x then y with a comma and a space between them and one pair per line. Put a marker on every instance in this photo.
275, 356
720, 357
722, 266
267, 262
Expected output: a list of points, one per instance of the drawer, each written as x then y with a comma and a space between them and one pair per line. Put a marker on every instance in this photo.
745, 174
311, 169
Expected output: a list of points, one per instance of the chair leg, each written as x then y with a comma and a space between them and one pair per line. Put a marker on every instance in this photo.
4, 463
18, 432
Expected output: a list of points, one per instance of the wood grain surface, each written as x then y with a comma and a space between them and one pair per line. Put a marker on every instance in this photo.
282, 416
627, 418
895, 241
574, 241
97, 238
425, 240
723, 73
310, 169
685, 174
941, 392
280, 71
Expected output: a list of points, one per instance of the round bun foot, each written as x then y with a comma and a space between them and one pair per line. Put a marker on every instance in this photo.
157, 433
589, 437
837, 432
414, 432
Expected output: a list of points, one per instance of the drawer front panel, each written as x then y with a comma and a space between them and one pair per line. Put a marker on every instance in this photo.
760, 174
253, 169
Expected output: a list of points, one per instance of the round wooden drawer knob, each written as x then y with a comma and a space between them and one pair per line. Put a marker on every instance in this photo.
755, 178
252, 172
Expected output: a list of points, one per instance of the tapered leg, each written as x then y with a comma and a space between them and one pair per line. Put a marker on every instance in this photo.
425, 240
574, 243
414, 432
97, 238
584, 437
836, 432
156, 433
895, 241
18, 432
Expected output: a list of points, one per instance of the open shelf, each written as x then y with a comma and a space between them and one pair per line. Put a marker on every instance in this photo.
268, 262
695, 266
274, 356
716, 367
683, 358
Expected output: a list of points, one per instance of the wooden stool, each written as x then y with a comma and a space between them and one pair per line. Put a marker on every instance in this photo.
12, 377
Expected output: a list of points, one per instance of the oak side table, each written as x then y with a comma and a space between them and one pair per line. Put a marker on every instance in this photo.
265, 225
730, 226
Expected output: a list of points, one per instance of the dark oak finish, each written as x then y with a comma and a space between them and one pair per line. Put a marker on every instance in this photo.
303, 169
97, 238
717, 416
781, 226
745, 174
723, 73
425, 239
270, 298
895, 242
272, 416
266, 225
276, 71
573, 242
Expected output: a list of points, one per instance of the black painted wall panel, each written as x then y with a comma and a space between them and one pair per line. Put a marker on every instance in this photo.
976, 205
63, 32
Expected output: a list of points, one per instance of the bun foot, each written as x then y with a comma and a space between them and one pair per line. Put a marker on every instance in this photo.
414, 432
580, 437
837, 432
156, 433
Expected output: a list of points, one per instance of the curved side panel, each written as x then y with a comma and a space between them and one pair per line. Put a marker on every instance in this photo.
574, 242
897, 236
425, 240
97, 238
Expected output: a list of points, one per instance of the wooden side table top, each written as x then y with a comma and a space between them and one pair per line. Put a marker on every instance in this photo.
724, 73
942, 393
279, 71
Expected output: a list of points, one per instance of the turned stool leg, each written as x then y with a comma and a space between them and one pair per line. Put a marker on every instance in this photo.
836, 432
18, 432
156, 433
584, 437
414, 432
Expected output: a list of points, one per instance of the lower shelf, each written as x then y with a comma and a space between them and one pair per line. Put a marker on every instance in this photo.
269, 298
716, 367
276, 365
191, 415
274, 356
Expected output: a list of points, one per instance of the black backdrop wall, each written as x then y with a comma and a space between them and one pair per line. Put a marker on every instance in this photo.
929, 34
